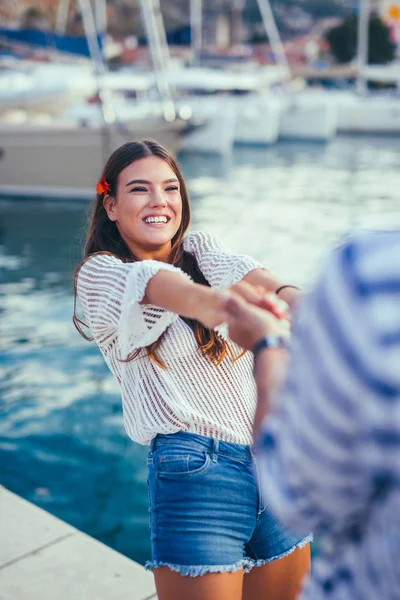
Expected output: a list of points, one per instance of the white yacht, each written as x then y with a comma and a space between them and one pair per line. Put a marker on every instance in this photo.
308, 115
366, 110
61, 155
373, 113
240, 106
44, 87
63, 158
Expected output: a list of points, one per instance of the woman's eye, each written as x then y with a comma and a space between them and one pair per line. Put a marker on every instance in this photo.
139, 189
172, 188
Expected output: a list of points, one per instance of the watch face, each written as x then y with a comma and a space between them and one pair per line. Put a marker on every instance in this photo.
270, 341
275, 341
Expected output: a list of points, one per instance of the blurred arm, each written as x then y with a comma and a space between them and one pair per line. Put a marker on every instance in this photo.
310, 449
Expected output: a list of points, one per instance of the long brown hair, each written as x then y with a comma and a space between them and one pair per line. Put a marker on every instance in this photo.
103, 236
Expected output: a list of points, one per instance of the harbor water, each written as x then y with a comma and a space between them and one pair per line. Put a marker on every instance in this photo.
62, 443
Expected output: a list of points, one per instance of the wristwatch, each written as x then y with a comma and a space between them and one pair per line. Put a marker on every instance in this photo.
270, 341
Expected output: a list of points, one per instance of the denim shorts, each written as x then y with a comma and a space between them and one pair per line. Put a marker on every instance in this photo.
206, 514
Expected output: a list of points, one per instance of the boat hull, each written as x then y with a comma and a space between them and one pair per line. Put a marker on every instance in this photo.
306, 117
66, 161
257, 119
377, 115
216, 135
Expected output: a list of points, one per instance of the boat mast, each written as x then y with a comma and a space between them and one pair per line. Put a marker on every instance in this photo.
62, 16
272, 32
100, 12
159, 50
237, 23
362, 44
96, 55
196, 22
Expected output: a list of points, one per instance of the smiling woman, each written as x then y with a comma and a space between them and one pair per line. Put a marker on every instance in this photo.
151, 297
148, 213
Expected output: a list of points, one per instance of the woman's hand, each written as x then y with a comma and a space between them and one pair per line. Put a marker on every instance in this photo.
270, 283
215, 308
219, 307
257, 296
248, 323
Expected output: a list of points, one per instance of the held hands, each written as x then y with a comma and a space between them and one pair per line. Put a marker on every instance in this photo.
249, 311
253, 314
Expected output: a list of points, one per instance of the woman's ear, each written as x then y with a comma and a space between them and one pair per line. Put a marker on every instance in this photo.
109, 206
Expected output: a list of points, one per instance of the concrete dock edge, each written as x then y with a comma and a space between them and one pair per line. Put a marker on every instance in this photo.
43, 558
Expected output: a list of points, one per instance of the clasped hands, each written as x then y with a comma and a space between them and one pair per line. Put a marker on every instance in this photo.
249, 311
253, 313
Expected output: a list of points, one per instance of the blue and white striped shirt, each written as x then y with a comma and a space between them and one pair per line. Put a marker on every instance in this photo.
330, 455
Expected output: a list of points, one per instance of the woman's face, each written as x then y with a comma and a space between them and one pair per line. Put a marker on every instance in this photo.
147, 208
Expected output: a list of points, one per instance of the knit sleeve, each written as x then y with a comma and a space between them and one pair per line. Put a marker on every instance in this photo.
111, 291
220, 268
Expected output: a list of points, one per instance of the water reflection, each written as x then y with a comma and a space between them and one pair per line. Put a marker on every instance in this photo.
62, 442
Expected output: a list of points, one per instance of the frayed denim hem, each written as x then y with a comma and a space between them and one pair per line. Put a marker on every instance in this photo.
259, 563
246, 564
197, 570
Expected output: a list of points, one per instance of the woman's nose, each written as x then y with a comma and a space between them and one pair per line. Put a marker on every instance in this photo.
158, 198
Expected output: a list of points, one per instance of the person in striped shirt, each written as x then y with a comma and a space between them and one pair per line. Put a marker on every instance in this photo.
328, 438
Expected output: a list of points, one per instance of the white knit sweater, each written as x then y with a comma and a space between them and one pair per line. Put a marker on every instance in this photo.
192, 394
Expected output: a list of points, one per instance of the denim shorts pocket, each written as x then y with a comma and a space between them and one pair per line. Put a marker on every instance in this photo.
182, 465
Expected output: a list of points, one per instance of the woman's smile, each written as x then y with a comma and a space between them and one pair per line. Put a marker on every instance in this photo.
157, 220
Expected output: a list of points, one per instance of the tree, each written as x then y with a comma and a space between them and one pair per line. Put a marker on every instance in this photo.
343, 41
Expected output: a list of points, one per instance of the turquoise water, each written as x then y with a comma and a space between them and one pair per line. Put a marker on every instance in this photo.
62, 443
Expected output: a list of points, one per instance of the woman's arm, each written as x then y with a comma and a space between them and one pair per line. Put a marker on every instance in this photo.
265, 279
114, 300
173, 292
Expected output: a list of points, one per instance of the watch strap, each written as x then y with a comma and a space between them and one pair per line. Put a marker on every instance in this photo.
269, 341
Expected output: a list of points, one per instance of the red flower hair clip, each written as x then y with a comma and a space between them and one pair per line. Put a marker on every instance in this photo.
103, 187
